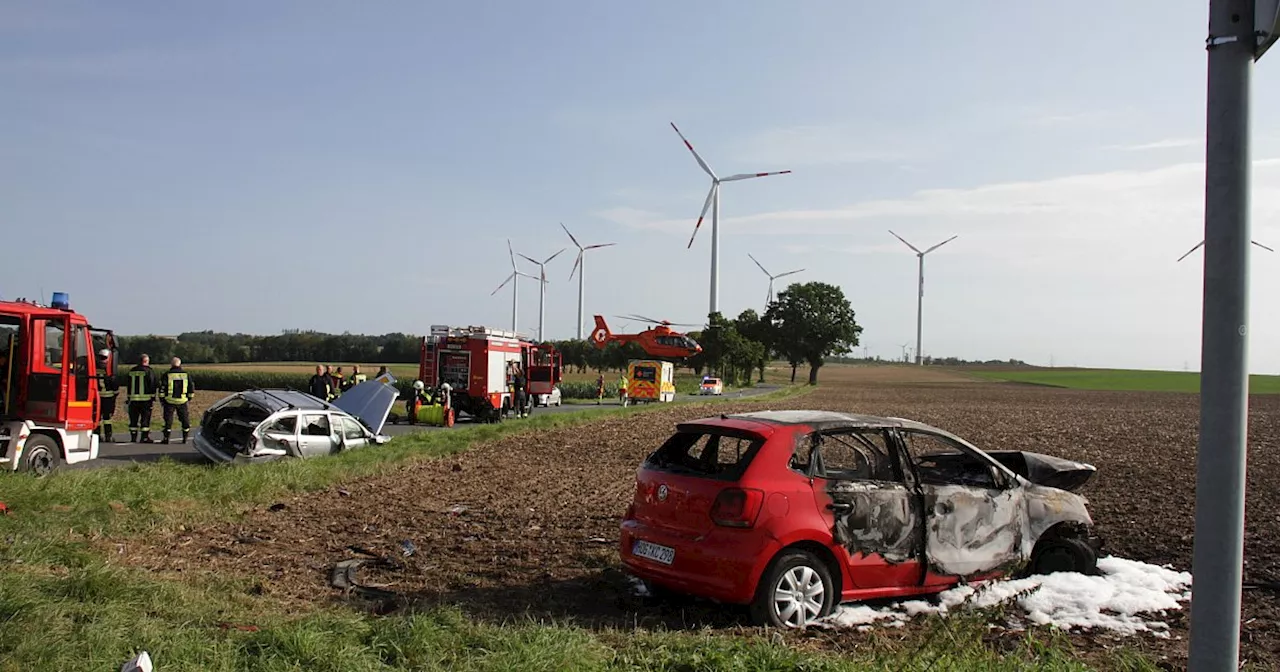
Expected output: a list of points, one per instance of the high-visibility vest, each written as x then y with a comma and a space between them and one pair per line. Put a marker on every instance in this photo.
138, 379
357, 378
104, 391
177, 388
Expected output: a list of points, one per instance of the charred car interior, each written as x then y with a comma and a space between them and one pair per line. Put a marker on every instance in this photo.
903, 508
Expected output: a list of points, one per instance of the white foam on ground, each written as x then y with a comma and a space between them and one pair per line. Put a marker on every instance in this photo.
1122, 600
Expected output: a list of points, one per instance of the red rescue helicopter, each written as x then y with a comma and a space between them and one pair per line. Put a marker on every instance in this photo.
661, 341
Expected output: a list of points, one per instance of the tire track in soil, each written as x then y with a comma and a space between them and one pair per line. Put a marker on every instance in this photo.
528, 524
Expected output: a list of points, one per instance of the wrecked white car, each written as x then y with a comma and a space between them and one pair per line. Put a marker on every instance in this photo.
261, 425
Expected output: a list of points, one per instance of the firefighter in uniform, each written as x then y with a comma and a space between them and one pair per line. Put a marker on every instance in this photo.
417, 398
143, 391
356, 377
521, 393
176, 393
339, 382
622, 389
108, 390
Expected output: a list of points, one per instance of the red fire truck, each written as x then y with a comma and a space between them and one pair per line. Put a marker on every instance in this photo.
477, 363
49, 405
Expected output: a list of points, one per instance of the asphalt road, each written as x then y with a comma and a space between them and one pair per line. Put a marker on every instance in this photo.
121, 454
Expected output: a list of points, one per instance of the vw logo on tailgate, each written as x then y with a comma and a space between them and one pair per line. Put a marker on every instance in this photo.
662, 492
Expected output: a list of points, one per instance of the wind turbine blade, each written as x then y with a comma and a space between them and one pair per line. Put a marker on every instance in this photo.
759, 264
526, 275
531, 259
566, 230
913, 247
1262, 246
695, 152
1190, 251
782, 275
705, 206
576, 261
512, 254
747, 176
592, 247
553, 256
504, 284
941, 244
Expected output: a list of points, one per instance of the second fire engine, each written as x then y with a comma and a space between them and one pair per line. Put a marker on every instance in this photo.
477, 363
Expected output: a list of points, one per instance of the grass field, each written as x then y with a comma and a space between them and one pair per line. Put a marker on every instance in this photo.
1118, 379
225, 568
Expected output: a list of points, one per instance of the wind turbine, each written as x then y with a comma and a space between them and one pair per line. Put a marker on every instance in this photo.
580, 262
920, 296
904, 347
542, 286
713, 202
514, 279
1201, 244
771, 278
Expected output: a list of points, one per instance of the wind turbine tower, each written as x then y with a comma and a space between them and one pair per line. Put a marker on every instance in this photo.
542, 286
514, 279
772, 277
580, 266
713, 202
920, 295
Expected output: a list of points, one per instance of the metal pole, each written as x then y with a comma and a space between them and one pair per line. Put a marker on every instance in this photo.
515, 299
715, 250
582, 271
919, 308
1220, 460
542, 301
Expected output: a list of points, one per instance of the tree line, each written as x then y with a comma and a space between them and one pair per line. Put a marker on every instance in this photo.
804, 325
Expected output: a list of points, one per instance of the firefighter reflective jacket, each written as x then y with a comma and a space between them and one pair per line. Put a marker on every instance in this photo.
142, 384
108, 386
177, 387
357, 378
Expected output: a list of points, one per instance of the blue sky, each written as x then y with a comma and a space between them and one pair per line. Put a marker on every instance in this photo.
359, 166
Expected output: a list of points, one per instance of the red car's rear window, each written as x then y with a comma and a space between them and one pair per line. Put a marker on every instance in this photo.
710, 452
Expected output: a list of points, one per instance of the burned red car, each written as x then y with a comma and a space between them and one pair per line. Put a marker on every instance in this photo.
793, 512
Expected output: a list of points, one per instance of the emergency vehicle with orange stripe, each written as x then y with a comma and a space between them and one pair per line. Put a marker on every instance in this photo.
650, 380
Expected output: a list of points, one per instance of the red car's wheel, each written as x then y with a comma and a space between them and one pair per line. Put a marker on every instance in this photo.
795, 591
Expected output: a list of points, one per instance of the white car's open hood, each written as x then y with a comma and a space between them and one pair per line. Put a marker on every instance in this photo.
370, 402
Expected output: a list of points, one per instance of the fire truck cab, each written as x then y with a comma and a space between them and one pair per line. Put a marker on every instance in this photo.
49, 373
477, 364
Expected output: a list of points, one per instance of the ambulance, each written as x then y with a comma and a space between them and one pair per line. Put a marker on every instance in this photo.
650, 380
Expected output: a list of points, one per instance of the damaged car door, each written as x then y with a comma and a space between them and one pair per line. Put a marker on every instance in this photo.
316, 435
975, 518
874, 514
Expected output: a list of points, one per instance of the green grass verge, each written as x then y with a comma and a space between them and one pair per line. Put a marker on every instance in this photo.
94, 617
1119, 379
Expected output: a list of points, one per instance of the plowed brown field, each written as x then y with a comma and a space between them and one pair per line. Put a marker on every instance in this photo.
528, 524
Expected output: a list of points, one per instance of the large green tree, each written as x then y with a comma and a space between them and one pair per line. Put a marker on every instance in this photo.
810, 322
755, 328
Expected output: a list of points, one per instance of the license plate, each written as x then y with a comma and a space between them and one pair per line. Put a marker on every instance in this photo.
651, 551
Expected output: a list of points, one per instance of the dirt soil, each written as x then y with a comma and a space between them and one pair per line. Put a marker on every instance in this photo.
529, 525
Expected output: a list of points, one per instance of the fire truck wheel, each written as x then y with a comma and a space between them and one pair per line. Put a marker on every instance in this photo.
40, 455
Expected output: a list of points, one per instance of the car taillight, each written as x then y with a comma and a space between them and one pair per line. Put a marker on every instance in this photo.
737, 507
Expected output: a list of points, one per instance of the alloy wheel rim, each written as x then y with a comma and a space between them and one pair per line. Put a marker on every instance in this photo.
798, 596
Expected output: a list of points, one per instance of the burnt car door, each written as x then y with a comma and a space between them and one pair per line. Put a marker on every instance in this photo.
874, 514
974, 517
